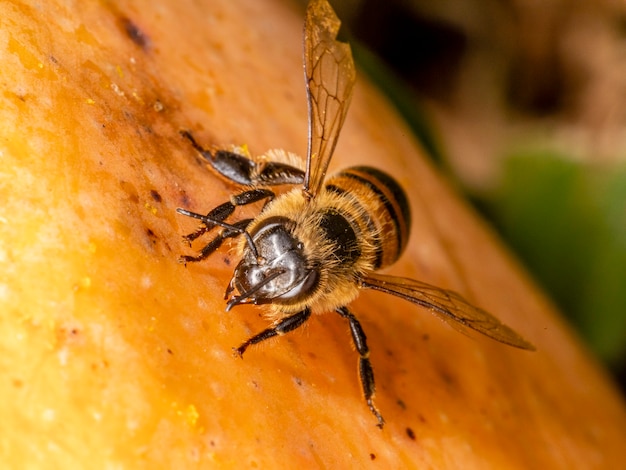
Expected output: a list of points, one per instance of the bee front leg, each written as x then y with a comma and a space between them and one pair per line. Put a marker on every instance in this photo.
283, 326
366, 373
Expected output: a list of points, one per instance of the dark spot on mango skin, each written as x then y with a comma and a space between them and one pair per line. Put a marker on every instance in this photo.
136, 34
155, 195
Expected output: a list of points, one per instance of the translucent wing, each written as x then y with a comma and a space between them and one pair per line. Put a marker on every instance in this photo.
447, 305
330, 77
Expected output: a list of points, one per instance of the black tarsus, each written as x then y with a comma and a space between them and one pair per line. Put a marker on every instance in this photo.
366, 373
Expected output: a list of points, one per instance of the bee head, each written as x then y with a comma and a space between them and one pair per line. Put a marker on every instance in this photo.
278, 272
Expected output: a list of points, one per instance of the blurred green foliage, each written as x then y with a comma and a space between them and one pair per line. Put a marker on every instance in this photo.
567, 220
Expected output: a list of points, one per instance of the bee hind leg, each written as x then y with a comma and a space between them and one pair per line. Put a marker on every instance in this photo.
245, 171
366, 373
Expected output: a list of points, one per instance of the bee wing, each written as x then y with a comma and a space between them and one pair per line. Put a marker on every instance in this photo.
447, 305
330, 76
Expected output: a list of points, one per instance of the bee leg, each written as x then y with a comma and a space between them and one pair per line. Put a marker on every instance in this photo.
366, 373
284, 326
242, 170
216, 218
219, 213
236, 229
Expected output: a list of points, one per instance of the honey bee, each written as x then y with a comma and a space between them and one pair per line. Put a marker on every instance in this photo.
313, 249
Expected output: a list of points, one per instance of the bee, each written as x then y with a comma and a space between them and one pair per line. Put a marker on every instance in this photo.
311, 250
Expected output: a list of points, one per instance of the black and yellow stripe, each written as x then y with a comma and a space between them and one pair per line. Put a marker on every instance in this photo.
382, 212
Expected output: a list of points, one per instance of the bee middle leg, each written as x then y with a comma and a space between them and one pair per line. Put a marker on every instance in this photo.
231, 231
283, 326
366, 373
220, 213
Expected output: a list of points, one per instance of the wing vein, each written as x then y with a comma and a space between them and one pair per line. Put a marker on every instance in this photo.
448, 306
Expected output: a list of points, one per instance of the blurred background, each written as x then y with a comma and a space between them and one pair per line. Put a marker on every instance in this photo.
523, 105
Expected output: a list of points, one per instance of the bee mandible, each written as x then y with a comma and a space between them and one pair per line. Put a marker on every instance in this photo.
311, 250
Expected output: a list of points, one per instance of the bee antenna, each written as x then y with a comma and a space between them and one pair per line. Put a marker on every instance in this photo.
246, 295
207, 219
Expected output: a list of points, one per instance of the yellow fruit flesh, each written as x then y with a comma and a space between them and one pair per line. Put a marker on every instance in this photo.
114, 354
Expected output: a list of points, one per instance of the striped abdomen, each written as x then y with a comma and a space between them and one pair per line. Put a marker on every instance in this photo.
380, 214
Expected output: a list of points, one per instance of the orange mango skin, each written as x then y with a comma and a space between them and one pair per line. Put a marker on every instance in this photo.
113, 354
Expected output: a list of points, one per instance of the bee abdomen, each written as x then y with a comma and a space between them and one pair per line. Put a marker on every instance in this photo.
381, 210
